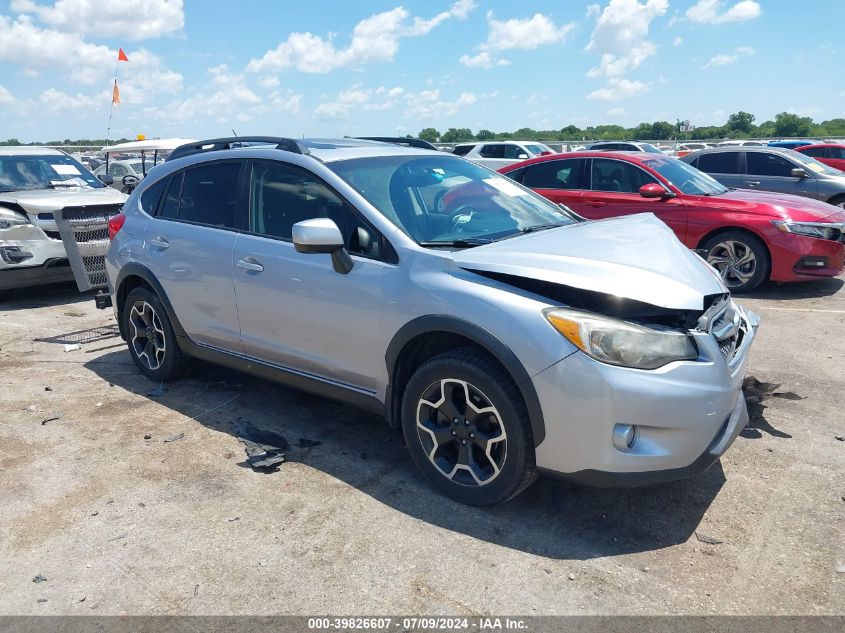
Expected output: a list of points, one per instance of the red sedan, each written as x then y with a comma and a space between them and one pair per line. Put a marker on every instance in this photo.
832, 154
749, 236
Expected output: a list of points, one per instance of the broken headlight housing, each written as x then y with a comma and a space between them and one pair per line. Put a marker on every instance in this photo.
10, 218
617, 342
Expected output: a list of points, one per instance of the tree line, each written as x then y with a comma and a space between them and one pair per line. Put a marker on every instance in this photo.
739, 125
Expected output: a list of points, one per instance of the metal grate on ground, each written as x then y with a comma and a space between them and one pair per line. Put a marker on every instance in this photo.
85, 234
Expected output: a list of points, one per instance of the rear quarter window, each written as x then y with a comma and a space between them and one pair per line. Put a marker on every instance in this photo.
151, 197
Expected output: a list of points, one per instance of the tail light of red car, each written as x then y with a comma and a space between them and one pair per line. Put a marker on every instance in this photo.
115, 224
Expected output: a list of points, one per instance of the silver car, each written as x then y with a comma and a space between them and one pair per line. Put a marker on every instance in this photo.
771, 169
503, 334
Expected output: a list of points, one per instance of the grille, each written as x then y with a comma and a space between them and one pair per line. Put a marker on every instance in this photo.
85, 233
727, 328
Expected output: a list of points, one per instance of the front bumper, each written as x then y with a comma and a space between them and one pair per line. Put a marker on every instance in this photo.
686, 415
29, 257
790, 252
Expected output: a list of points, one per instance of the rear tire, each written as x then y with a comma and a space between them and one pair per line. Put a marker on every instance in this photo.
740, 258
150, 336
467, 428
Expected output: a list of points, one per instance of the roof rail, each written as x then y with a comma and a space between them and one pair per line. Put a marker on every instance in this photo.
399, 140
216, 144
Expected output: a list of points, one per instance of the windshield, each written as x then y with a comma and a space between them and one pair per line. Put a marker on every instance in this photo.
686, 177
537, 149
813, 165
444, 199
648, 147
18, 173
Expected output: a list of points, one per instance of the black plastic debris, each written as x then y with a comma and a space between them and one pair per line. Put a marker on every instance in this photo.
51, 418
39, 578
304, 442
157, 392
265, 450
148, 436
174, 438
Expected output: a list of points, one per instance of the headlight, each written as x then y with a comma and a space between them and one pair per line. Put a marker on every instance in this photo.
810, 229
9, 218
621, 343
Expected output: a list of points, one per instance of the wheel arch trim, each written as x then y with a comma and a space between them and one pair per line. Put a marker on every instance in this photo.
434, 324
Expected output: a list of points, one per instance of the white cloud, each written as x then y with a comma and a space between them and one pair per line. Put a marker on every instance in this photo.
131, 19
6, 97
593, 11
620, 111
677, 41
617, 89
268, 82
374, 39
228, 97
711, 11
723, 59
55, 101
34, 49
515, 34
287, 101
620, 36
427, 104
358, 98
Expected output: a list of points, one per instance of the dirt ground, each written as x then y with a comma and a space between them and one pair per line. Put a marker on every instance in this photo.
120, 524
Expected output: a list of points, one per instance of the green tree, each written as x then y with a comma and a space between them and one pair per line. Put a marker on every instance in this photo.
485, 135
429, 134
789, 124
570, 133
662, 130
741, 122
457, 135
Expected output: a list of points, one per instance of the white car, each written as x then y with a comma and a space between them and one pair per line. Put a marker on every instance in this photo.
35, 182
498, 154
624, 146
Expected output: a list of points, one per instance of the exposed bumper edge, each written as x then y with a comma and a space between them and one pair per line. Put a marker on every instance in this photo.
25, 276
721, 442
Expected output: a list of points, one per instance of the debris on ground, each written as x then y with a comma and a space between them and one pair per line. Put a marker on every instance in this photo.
42, 600
158, 391
48, 389
756, 391
264, 449
571, 576
234, 519
118, 537
704, 538
148, 436
304, 442
788, 395
71, 347
39, 578
174, 438
840, 569
51, 418
841, 438
32, 407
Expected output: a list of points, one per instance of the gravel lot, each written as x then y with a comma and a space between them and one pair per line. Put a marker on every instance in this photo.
120, 524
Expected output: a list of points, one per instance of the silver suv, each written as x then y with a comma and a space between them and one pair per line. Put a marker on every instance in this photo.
503, 334
34, 183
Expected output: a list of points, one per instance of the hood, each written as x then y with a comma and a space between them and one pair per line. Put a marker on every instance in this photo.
635, 257
782, 205
48, 200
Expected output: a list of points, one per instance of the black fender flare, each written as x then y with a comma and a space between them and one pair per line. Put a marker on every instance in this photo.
483, 338
134, 269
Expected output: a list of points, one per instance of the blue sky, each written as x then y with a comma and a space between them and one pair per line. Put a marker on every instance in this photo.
325, 68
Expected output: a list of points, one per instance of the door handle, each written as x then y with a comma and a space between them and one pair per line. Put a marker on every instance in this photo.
752, 183
595, 203
160, 242
250, 263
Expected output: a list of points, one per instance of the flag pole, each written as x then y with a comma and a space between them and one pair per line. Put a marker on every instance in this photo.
111, 109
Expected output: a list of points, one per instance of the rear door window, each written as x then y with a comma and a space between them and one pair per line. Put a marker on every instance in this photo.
554, 174
719, 163
208, 194
496, 150
768, 164
515, 152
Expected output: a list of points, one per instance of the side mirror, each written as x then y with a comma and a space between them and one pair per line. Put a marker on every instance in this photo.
653, 190
522, 156
321, 235
106, 179
797, 172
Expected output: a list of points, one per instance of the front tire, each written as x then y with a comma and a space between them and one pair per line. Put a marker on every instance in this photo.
150, 336
467, 428
740, 258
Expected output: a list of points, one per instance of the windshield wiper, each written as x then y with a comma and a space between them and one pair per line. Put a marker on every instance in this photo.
461, 243
530, 229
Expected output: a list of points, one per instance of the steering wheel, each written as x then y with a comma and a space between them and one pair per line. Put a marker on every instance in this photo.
130, 182
460, 216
